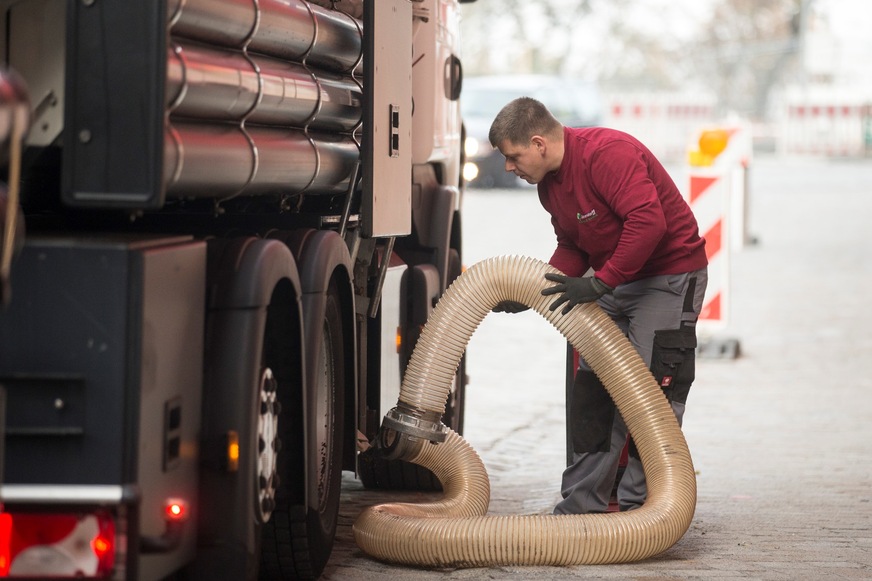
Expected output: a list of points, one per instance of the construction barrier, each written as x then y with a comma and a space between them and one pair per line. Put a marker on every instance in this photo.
825, 123
717, 193
662, 121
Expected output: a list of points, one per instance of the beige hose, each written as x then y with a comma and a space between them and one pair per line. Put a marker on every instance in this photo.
455, 531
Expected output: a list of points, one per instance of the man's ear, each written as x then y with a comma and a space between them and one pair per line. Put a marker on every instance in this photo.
539, 143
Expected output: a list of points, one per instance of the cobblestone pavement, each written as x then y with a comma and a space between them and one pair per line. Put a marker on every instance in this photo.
780, 436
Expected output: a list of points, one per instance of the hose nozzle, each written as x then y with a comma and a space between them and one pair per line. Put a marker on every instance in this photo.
404, 430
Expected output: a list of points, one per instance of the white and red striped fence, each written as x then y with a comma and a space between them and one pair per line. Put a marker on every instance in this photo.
818, 121
662, 121
836, 127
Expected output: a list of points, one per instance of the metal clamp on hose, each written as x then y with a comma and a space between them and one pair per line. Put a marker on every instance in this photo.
403, 431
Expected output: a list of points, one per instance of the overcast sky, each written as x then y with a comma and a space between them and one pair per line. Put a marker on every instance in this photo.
850, 22
849, 18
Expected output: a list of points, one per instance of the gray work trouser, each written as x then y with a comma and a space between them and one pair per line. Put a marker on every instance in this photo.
665, 307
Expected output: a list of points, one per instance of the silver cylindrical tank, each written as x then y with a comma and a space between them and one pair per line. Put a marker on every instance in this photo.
210, 83
288, 29
261, 98
222, 160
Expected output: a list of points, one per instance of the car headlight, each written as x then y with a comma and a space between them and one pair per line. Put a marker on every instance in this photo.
472, 146
470, 171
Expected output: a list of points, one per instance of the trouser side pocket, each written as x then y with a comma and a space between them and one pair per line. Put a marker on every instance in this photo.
673, 361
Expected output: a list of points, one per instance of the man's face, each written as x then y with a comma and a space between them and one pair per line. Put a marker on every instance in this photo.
525, 161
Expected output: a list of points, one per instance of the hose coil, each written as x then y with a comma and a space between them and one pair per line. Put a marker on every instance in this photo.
455, 531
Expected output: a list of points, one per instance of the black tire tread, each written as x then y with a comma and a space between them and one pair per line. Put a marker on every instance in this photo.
378, 473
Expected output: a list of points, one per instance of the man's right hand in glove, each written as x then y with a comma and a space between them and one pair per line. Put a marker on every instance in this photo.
509, 307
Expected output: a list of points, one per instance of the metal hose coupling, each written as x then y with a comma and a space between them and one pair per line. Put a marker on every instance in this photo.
456, 531
404, 430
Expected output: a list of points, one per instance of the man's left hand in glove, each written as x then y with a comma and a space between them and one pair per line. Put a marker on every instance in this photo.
575, 291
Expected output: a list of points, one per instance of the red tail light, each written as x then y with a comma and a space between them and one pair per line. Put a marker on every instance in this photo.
5, 542
176, 510
80, 545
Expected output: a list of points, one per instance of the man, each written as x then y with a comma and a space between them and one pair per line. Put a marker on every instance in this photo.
615, 210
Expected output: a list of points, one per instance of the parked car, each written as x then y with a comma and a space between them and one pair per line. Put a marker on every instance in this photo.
575, 103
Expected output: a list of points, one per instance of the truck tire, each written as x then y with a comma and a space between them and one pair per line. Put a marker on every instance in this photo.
299, 538
377, 473
253, 372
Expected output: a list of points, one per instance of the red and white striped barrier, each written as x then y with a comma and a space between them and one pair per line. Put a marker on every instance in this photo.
825, 121
829, 130
708, 197
662, 121
717, 194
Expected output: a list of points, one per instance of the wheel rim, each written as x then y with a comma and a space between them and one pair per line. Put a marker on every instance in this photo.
324, 416
268, 445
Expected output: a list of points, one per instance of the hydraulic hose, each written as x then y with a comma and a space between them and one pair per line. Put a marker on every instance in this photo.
455, 531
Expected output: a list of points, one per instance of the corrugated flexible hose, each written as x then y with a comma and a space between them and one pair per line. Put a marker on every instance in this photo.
455, 531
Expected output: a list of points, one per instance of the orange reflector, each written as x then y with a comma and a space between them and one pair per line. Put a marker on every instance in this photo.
176, 509
232, 451
399, 340
101, 546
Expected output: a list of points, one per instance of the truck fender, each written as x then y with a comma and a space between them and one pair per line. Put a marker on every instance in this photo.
244, 271
433, 214
320, 254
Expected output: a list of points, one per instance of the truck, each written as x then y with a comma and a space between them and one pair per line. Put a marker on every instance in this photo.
225, 223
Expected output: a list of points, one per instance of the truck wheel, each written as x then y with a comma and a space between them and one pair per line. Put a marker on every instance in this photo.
268, 446
299, 538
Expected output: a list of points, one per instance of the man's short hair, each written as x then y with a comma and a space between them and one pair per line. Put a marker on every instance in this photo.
520, 120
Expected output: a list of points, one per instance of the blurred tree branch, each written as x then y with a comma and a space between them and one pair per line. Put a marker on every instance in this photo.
748, 47
740, 51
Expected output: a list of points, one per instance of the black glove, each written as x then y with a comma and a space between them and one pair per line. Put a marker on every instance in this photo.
509, 307
574, 291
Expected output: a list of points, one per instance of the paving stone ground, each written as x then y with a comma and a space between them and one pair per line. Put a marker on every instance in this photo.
781, 437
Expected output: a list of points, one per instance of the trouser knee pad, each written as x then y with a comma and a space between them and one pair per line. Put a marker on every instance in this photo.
591, 413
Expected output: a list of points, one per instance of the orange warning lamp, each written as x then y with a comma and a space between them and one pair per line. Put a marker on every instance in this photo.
712, 142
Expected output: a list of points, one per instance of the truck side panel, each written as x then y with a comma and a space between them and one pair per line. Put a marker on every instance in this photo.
104, 368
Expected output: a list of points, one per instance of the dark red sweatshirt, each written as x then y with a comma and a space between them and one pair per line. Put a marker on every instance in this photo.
615, 208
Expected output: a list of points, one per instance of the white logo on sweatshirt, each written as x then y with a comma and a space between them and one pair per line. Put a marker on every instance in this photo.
586, 217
